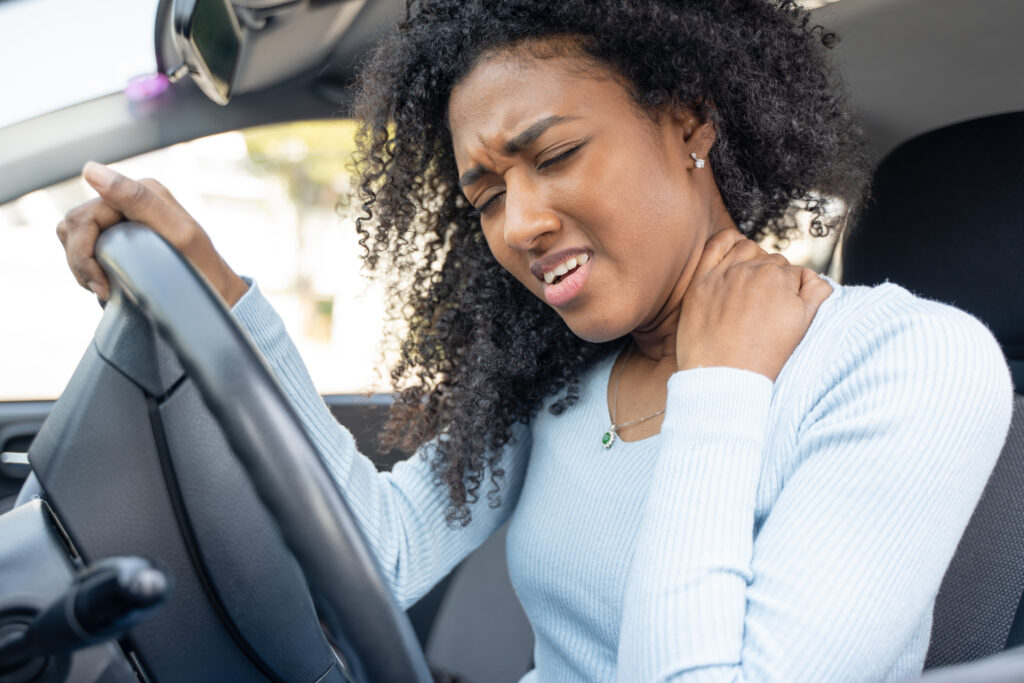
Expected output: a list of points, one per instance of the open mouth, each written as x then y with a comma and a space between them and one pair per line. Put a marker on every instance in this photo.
565, 282
566, 268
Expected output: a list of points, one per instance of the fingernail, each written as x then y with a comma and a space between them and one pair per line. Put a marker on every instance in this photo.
98, 175
96, 289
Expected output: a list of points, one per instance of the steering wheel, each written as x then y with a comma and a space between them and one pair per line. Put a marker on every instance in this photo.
375, 637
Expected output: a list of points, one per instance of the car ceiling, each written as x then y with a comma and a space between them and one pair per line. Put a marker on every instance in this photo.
917, 65
912, 66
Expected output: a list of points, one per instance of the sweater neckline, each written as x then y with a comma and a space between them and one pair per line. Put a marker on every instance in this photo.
603, 380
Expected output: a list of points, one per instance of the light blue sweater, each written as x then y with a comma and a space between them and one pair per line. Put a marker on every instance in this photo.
787, 531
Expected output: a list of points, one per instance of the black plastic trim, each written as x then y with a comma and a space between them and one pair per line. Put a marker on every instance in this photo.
192, 544
170, 392
65, 537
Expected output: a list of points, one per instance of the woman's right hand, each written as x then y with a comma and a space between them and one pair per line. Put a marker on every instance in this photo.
745, 308
144, 201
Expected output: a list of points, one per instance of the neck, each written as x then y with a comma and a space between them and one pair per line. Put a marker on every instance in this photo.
656, 340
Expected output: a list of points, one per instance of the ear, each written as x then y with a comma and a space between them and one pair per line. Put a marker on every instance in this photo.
704, 136
694, 126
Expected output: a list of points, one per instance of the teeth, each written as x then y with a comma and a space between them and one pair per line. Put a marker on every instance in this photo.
565, 267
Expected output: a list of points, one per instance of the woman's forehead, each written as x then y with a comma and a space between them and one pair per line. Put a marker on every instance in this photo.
510, 90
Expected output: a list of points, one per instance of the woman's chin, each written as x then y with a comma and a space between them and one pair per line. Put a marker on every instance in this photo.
595, 331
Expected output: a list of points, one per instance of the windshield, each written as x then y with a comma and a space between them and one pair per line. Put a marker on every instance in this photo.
55, 53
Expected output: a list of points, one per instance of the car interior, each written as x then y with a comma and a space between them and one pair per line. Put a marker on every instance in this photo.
167, 518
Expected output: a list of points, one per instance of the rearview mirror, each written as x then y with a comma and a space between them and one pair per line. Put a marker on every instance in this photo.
230, 47
209, 37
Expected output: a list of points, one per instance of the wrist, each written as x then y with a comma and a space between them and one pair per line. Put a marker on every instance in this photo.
234, 289
229, 285
733, 365
719, 403
749, 365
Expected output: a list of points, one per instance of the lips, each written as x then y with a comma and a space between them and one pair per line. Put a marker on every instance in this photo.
563, 273
567, 266
563, 283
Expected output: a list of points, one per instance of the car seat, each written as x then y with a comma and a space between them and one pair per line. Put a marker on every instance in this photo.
946, 221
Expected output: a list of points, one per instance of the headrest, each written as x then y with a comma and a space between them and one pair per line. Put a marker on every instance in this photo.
946, 221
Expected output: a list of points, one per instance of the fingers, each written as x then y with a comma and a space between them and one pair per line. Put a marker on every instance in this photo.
144, 201
745, 308
135, 199
149, 203
94, 212
715, 250
87, 271
729, 247
814, 289
78, 233
120, 198
746, 251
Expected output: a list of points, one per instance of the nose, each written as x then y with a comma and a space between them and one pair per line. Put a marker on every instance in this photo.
528, 218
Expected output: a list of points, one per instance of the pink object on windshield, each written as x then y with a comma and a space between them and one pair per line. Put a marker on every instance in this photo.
146, 87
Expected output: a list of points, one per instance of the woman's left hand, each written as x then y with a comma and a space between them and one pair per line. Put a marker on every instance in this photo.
745, 308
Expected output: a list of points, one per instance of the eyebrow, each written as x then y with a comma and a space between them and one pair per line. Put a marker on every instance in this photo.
516, 144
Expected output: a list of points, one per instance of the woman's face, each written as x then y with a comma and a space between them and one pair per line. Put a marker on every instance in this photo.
593, 205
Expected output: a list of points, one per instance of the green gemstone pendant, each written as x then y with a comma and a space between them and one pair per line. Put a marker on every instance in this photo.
609, 438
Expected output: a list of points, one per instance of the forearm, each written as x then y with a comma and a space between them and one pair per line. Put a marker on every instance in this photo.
685, 598
333, 441
401, 512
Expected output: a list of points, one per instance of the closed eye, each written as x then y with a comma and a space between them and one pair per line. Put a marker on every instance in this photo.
475, 213
559, 157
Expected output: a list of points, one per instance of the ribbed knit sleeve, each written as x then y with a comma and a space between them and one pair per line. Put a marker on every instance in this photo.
401, 512
894, 452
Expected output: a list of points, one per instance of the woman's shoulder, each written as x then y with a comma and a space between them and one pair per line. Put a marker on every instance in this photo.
894, 369
857, 317
876, 335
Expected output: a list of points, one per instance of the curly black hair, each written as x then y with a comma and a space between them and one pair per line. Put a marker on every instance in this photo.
478, 352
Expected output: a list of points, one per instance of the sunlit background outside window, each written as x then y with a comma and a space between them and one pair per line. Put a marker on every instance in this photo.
60, 52
269, 197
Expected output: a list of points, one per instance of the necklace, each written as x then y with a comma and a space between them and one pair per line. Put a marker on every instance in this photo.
608, 438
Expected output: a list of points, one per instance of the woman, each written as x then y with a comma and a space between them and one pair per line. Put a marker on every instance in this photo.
718, 466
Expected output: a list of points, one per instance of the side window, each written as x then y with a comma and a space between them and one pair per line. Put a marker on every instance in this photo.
269, 197
802, 249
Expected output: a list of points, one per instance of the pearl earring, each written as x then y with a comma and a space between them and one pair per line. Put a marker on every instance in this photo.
698, 162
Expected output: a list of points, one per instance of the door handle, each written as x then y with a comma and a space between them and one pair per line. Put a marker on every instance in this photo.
14, 464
